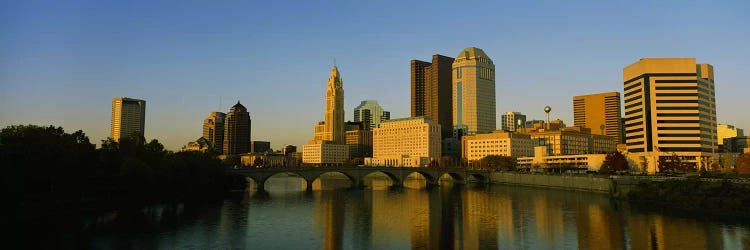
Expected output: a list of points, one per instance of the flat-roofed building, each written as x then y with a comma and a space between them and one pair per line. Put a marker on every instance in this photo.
599, 112
412, 142
573, 141
128, 118
432, 91
513, 121
325, 154
670, 108
502, 143
726, 131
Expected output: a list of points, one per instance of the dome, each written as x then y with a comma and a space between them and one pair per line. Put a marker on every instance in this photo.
472, 53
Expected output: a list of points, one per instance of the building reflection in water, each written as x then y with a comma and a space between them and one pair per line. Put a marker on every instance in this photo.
465, 217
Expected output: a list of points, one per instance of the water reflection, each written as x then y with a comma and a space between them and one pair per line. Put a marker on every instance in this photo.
418, 217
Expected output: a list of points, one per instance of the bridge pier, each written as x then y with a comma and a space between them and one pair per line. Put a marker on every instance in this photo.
260, 185
309, 185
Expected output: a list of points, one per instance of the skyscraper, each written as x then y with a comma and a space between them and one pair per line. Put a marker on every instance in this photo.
334, 117
237, 130
371, 114
431, 91
509, 121
328, 146
128, 118
473, 92
213, 130
599, 112
670, 107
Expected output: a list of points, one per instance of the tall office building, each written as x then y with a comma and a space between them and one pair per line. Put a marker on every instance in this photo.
334, 116
328, 146
599, 112
371, 114
509, 121
431, 91
473, 92
213, 130
670, 107
128, 118
237, 130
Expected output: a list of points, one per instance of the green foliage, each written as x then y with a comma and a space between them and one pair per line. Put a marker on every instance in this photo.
47, 165
497, 162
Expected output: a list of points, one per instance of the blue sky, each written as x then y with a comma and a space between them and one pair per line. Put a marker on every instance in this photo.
62, 63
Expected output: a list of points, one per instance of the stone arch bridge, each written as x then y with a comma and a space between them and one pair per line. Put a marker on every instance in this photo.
357, 174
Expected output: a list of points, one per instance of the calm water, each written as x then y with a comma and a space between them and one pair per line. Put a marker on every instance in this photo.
447, 217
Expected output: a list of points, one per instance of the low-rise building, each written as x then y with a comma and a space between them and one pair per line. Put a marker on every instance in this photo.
325, 154
263, 159
412, 142
540, 160
200, 145
503, 143
260, 146
573, 141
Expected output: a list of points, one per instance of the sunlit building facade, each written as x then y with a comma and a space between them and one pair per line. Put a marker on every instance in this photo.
409, 142
502, 143
510, 121
473, 93
670, 108
432, 91
237, 130
599, 112
328, 146
213, 130
128, 118
371, 114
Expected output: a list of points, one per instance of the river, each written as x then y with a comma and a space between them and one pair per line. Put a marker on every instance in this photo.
445, 217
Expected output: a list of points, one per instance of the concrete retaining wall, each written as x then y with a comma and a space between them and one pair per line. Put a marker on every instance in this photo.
579, 183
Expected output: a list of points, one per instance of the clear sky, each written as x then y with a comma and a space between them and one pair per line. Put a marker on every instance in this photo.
61, 62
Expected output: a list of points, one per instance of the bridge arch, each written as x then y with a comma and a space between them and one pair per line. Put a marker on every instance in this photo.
352, 179
394, 178
260, 182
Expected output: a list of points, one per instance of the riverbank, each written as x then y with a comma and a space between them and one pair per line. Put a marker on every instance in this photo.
592, 184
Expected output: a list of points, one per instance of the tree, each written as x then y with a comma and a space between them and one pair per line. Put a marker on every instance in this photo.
742, 166
673, 163
615, 161
497, 162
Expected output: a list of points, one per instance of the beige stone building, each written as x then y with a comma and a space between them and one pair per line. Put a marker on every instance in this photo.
589, 162
573, 141
599, 112
474, 92
325, 154
670, 107
503, 143
128, 118
409, 142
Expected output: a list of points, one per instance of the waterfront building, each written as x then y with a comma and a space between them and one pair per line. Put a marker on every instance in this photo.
473, 92
573, 141
726, 131
599, 112
540, 160
413, 142
670, 108
128, 118
260, 146
328, 146
499, 142
237, 130
325, 154
371, 114
510, 121
264, 159
432, 91
213, 130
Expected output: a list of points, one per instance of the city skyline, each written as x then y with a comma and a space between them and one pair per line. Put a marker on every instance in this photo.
37, 90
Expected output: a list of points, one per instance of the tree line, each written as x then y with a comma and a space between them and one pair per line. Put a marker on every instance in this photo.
47, 168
